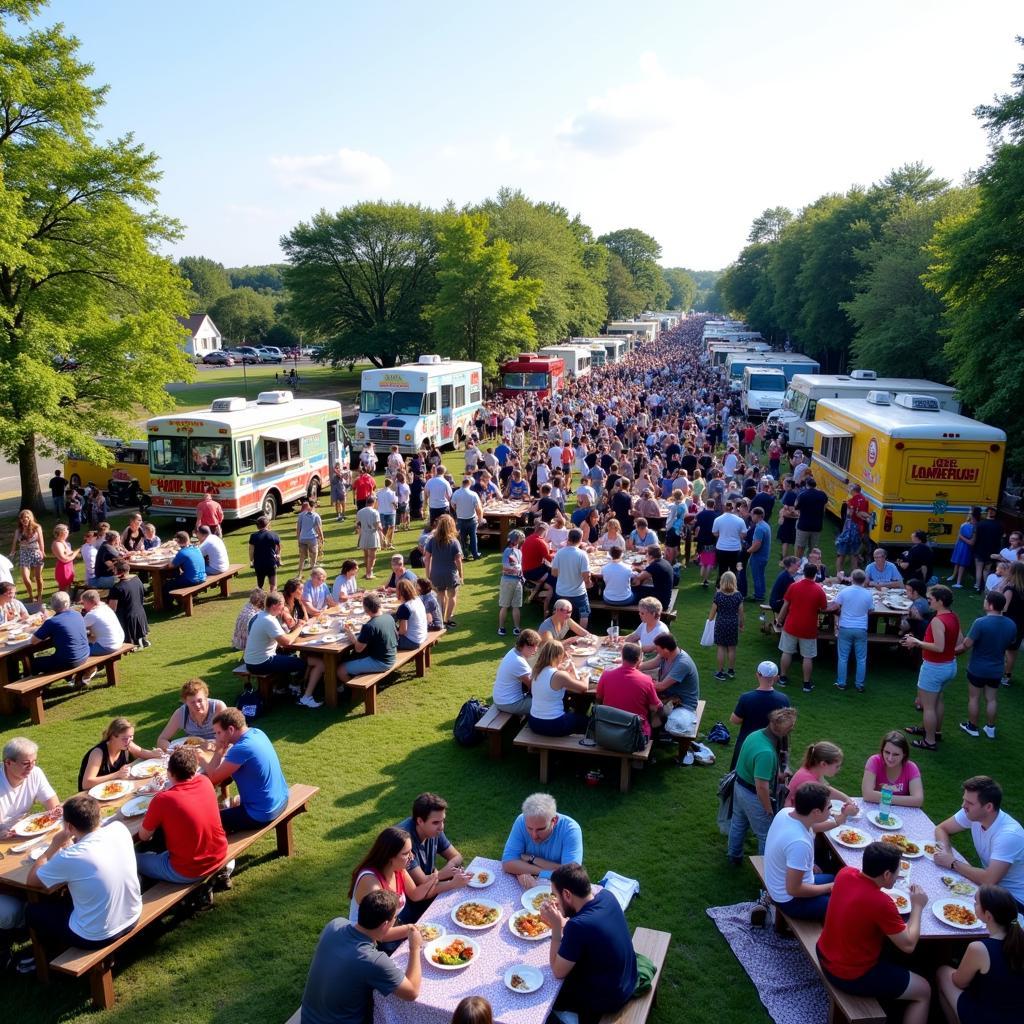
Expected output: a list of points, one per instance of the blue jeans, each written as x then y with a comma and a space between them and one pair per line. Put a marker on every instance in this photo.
58, 505
467, 536
757, 568
566, 724
580, 604
95, 649
858, 640
158, 866
366, 666
809, 908
747, 812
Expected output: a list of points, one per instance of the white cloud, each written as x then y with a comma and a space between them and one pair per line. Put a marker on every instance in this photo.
333, 172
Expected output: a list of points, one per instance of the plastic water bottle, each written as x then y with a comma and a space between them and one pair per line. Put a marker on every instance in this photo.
883, 813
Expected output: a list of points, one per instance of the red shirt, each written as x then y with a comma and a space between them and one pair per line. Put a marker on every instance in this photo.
749, 434
535, 552
209, 513
858, 919
365, 485
806, 599
858, 503
629, 689
189, 815
952, 626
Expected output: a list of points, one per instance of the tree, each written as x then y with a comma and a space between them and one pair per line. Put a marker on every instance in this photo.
360, 279
623, 297
977, 267
482, 311
682, 288
243, 315
770, 225
639, 253
81, 284
209, 280
267, 278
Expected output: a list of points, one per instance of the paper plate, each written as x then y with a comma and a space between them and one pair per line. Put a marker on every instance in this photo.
478, 927
863, 838
147, 769
30, 828
137, 806
531, 894
443, 943
938, 909
514, 918
482, 879
895, 823
901, 898
529, 979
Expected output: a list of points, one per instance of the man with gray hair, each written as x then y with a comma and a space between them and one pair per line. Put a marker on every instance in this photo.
66, 630
22, 786
540, 841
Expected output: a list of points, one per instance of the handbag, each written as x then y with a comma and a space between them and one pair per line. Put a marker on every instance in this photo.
615, 729
681, 722
707, 638
726, 786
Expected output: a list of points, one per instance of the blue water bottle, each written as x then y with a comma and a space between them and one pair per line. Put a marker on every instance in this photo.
883, 813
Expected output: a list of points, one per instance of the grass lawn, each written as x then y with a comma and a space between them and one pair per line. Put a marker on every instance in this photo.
247, 959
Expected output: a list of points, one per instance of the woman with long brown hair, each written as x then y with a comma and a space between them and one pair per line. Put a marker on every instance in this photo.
111, 757
28, 543
442, 561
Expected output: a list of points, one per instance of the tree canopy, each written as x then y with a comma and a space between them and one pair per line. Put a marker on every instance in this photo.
244, 315
208, 280
639, 253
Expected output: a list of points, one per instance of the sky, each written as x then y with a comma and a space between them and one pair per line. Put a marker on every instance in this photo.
685, 119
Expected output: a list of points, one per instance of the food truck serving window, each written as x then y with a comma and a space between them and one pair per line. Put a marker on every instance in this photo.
189, 456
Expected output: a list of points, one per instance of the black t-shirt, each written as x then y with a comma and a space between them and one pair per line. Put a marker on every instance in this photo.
779, 588
104, 554
547, 508
622, 506
661, 580
764, 500
810, 503
263, 544
919, 557
702, 524
57, 486
689, 463
989, 539
754, 707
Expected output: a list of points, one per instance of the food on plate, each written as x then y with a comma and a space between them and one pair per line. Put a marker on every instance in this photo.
850, 835
194, 741
530, 926
476, 914
929, 848
902, 903
540, 899
455, 954
904, 865
429, 932
517, 982
108, 812
111, 789
483, 877
961, 888
41, 822
956, 914
904, 844
148, 771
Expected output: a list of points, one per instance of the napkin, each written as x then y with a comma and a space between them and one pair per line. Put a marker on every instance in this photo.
621, 887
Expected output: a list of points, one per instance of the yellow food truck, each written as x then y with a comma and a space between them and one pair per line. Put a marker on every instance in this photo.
920, 467
125, 480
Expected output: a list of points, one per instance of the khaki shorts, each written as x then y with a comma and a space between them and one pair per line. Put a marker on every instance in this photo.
309, 550
788, 644
510, 593
806, 540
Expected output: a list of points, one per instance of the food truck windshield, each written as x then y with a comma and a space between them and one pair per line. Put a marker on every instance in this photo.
399, 403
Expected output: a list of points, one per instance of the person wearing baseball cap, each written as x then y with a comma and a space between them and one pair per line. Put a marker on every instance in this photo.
754, 706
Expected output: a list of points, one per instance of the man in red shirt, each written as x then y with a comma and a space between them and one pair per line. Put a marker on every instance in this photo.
209, 513
190, 819
629, 689
798, 620
858, 512
364, 486
536, 555
860, 917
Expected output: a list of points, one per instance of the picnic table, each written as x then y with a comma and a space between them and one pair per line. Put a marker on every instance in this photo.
16, 649
890, 607
156, 562
441, 991
919, 829
506, 515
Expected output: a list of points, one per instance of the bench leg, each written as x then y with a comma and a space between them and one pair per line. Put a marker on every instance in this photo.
101, 983
111, 670
421, 663
285, 840
370, 699
225, 587
426, 653
39, 952
625, 775
494, 746
266, 685
34, 703
186, 605
544, 765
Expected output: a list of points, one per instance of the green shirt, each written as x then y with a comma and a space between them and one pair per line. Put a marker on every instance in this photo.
758, 758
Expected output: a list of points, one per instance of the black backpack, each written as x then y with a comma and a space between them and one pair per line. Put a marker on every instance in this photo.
464, 730
250, 703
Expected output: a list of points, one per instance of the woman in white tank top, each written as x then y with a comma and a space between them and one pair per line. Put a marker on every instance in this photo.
553, 675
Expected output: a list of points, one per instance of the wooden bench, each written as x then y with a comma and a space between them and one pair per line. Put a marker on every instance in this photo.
30, 689
223, 580
544, 745
265, 684
367, 684
493, 725
668, 615
842, 1005
654, 946
685, 742
767, 619
162, 897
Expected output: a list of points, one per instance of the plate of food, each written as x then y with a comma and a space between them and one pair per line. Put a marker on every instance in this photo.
430, 931
900, 898
137, 805
957, 914
929, 849
38, 824
481, 879
604, 659
958, 886
533, 899
525, 924
907, 847
14, 639
451, 952
477, 914
313, 630
111, 790
851, 838
523, 979
147, 769
894, 824
187, 741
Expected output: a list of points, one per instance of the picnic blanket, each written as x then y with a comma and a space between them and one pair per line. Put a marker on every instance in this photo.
786, 983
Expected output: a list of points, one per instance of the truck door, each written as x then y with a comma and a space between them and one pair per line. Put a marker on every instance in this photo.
334, 452
446, 412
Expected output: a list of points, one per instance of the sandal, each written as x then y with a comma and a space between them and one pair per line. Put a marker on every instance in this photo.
924, 745
918, 730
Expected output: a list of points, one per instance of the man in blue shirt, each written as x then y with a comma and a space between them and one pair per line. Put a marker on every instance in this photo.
190, 564
248, 757
881, 573
67, 631
540, 841
989, 639
591, 949
758, 552
501, 453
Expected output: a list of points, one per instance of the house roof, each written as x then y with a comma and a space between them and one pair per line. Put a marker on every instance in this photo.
194, 321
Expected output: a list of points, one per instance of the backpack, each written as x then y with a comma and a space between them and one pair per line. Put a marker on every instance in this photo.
250, 703
719, 733
464, 730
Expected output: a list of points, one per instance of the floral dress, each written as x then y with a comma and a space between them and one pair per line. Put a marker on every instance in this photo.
727, 621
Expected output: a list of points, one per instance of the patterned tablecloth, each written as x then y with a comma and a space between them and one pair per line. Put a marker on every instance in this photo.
441, 991
919, 829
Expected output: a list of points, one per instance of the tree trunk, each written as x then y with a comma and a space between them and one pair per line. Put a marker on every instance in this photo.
31, 496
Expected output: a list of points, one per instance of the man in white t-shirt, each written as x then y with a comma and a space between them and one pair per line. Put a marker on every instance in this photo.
789, 855
511, 690
266, 636
729, 530
212, 548
853, 603
618, 578
98, 866
6, 570
106, 634
438, 492
998, 839
571, 569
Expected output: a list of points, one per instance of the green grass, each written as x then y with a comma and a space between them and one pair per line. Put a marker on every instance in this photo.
314, 382
247, 959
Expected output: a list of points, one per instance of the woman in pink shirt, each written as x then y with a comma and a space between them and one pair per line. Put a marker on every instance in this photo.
821, 762
892, 767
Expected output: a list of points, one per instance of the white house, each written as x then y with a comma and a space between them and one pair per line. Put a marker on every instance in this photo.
204, 334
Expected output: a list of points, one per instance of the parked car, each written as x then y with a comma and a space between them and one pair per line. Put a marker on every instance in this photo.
219, 358
270, 354
245, 354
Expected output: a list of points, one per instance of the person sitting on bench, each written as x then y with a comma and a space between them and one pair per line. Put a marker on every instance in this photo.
655, 579
66, 628
540, 841
188, 561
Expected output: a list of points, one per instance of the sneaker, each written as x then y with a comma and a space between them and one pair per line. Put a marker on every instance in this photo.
502, 632
957, 586
221, 881
146, 642
309, 702
859, 689
516, 631
294, 689
970, 728
949, 579
989, 731
808, 687
721, 675
1005, 681
731, 673
688, 759
90, 675
840, 686
782, 682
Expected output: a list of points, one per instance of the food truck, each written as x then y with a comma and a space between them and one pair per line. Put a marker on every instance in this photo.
539, 375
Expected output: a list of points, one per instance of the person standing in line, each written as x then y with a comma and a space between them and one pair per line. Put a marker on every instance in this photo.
265, 553
988, 640
439, 493
370, 534
854, 604
309, 534
58, 485
510, 589
209, 512
788, 515
469, 513
341, 481
727, 614
759, 552
728, 529
798, 619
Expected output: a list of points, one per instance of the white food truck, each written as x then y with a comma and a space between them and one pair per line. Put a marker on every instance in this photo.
576, 357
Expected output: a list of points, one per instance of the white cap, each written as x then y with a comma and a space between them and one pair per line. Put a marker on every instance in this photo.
768, 669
